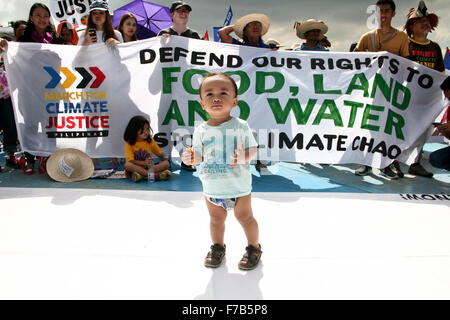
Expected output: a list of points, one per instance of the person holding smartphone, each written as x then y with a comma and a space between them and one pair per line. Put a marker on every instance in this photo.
99, 27
100, 30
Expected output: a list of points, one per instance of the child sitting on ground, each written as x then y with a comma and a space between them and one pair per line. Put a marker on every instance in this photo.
225, 145
139, 147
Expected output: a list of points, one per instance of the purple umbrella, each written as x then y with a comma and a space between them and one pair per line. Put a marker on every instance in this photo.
151, 17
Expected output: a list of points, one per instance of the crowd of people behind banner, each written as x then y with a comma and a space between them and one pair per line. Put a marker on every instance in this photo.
412, 44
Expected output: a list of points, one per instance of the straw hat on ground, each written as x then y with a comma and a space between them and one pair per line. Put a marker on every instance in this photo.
242, 22
308, 25
68, 165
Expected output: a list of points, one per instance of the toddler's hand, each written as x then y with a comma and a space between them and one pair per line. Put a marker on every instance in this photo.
238, 157
188, 157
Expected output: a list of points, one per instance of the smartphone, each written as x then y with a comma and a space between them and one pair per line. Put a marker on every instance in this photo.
93, 33
436, 124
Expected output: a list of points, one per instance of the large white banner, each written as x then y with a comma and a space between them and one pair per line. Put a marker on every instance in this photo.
367, 108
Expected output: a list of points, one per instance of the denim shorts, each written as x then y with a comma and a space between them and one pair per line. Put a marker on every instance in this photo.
227, 204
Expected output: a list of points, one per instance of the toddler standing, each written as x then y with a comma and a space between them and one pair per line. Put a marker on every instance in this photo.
225, 145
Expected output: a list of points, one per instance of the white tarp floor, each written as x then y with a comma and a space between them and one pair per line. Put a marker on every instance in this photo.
131, 244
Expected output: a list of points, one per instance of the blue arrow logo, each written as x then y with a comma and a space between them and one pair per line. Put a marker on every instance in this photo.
55, 78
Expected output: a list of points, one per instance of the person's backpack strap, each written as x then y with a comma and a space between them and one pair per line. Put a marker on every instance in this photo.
372, 37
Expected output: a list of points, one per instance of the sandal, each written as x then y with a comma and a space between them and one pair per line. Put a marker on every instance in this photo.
22, 162
41, 164
251, 258
29, 169
12, 162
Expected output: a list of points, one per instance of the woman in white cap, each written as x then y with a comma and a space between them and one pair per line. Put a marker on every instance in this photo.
249, 28
100, 20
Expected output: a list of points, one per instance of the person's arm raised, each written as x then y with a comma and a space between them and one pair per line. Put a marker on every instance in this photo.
224, 34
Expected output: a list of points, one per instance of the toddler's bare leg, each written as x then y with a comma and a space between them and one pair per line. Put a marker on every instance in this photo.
217, 222
244, 214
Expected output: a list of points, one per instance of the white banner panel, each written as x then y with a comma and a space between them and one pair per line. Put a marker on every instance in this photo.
367, 108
